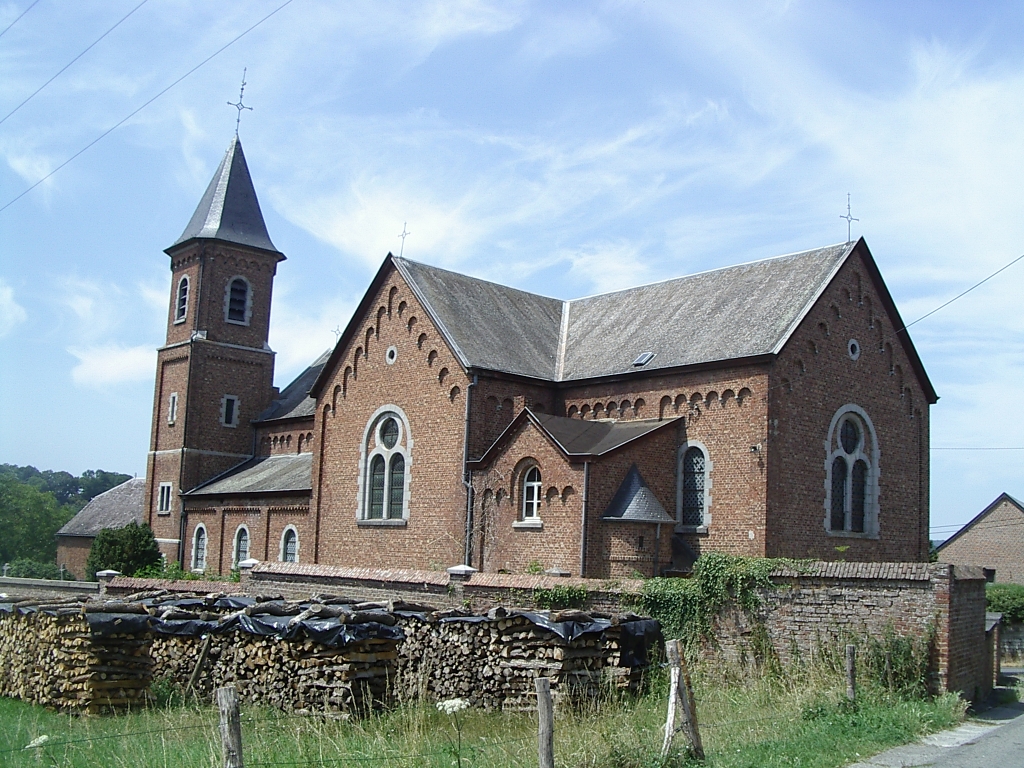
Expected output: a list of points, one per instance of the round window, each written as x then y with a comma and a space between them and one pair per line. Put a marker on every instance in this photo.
391, 355
389, 433
853, 347
849, 436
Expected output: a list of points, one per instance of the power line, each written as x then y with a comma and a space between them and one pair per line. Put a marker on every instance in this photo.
961, 295
146, 104
59, 73
19, 18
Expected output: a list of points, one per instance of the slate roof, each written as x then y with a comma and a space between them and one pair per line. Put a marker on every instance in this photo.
294, 400
262, 474
734, 312
635, 502
579, 437
743, 312
115, 508
576, 438
229, 210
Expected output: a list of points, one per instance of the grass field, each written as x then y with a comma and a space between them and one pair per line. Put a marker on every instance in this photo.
758, 722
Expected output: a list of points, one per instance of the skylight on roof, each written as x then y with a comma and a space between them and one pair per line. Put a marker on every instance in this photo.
643, 360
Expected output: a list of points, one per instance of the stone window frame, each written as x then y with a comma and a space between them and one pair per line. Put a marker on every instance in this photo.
283, 544
234, 411
164, 499
871, 457
197, 564
248, 300
181, 297
235, 559
371, 446
709, 466
172, 408
521, 476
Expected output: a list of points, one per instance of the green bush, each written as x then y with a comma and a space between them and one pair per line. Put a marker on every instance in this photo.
567, 596
1007, 599
26, 568
128, 550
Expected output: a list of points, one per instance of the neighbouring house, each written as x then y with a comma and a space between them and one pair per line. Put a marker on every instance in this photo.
774, 408
994, 539
115, 508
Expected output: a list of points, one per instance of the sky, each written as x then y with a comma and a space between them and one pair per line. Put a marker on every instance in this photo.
562, 148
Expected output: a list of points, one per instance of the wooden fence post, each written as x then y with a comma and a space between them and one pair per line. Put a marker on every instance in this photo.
230, 726
545, 724
680, 697
851, 672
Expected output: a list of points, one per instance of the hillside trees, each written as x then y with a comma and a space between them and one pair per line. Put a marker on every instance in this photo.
29, 519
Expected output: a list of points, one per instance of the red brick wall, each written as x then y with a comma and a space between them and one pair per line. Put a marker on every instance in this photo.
994, 541
501, 542
266, 520
812, 378
72, 552
427, 383
291, 436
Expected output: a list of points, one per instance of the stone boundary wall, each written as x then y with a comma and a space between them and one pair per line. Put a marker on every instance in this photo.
20, 589
1012, 641
822, 601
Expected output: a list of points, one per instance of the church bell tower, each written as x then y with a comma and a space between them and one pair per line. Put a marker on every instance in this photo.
215, 371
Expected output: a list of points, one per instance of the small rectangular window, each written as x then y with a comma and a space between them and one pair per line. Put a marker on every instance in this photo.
172, 408
163, 503
229, 411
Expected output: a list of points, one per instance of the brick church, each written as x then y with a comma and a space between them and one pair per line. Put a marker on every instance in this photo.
774, 408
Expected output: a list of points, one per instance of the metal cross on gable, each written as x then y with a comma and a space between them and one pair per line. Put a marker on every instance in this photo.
404, 235
849, 219
240, 106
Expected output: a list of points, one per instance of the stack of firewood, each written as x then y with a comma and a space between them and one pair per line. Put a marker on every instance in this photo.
53, 654
299, 674
493, 663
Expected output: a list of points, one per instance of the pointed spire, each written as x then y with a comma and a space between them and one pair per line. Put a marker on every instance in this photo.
229, 209
635, 502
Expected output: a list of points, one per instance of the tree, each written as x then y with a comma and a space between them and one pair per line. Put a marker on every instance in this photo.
29, 519
128, 550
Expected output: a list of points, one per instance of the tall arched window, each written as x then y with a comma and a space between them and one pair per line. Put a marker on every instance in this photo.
386, 454
241, 546
289, 546
237, 301
693, 475
181, 300
532, 492
199, 548
852, 467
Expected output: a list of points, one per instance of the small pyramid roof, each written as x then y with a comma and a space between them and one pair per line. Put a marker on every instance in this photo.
635, 502
229, 210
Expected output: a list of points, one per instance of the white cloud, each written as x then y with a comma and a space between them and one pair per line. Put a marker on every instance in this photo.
609, 266
11, 312
101, 366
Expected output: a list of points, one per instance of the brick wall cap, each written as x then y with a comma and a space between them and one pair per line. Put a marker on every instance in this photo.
317, 570
128, 584
842, 570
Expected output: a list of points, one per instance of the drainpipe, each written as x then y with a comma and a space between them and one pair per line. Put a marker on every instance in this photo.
467, 478
583, 520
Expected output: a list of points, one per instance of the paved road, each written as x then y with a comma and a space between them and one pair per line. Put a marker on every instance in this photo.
994, 741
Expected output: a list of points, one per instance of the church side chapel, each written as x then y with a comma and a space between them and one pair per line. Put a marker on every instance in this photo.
775, 408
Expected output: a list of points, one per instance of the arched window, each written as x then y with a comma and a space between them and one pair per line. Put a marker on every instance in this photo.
241, 546
386, 454
852, 467
199, 548
289, 546
694, 473
181, 300
532, 489
237, 302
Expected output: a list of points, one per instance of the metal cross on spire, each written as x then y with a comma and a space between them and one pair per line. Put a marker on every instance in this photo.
404, 235
849, 219
240, 106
